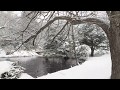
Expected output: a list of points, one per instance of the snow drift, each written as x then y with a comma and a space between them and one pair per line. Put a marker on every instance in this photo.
2, 53
94, 68
7, 66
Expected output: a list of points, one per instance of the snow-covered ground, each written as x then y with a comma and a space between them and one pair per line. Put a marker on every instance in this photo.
21, 53
94, 68
5, 66
26, 76
24, 53
2, 53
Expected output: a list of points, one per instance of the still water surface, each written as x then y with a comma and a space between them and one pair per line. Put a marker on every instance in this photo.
39, 66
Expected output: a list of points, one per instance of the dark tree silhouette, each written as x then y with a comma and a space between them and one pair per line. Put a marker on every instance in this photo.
93, 37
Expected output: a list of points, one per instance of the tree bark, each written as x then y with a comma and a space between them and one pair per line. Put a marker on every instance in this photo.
92, 51
114, 41
115, 54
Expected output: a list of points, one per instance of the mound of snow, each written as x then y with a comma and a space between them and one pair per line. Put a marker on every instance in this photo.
10, 70
5, 66
94, 68
25, 76
2, 53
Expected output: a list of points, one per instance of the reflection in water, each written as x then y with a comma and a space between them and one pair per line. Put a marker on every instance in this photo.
39, 66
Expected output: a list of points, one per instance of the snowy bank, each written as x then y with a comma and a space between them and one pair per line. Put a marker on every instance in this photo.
94, 68
25, 76
5, 66
21, 53
24, 53
2, 53
10, 70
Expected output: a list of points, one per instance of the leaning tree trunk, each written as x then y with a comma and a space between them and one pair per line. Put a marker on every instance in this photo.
114, 41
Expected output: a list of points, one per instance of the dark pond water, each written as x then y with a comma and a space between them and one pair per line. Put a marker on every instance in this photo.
39, 66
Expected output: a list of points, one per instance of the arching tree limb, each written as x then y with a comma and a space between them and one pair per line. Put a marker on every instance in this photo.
73, 21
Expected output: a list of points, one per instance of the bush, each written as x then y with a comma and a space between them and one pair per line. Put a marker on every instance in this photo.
48, 53
82, 52
101, 52
14, 72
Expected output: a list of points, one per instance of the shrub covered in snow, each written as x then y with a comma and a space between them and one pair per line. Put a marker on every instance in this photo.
5, 66
48, 53
2, 52
14, 72
82, 52
101, 52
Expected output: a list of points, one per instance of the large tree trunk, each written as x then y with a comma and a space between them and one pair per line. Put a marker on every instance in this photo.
114, 41
115, 54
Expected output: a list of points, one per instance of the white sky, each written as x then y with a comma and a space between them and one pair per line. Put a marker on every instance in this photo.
18, 13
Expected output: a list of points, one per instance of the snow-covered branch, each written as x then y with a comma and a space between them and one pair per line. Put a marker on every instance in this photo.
73, 21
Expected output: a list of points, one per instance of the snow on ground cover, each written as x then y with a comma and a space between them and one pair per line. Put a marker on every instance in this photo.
19, 54
94, 68
25, 53
25, 76
2, 53
5, 66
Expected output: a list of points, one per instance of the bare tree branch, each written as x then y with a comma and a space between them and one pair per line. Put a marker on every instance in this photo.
59, 32
2, 27
51, 15
28, 13
30, 22
73, 21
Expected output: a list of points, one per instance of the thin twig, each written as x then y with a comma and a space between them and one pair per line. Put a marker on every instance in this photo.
59, 32
30, 22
